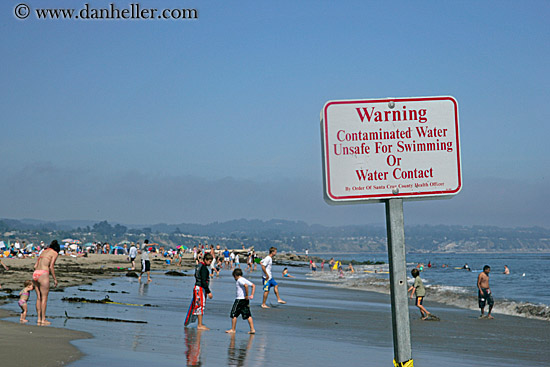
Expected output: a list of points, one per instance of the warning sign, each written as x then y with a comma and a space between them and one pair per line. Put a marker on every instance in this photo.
378, 149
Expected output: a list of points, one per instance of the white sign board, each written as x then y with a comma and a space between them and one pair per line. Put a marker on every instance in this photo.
378, 149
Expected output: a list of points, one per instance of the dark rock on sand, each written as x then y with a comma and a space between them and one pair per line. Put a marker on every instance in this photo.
95, 271
176, 273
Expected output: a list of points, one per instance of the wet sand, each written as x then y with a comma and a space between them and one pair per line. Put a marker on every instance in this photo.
30, 345
330, 326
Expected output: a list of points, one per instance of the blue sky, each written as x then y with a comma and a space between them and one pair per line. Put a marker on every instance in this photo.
218, 118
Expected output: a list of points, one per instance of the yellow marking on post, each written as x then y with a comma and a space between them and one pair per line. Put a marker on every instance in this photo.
408, 363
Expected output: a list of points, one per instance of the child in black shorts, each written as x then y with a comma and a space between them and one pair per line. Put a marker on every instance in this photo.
241, 304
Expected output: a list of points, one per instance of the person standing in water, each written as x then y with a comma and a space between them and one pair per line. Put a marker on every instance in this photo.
145, 262
484, 292
202, 290
45, 264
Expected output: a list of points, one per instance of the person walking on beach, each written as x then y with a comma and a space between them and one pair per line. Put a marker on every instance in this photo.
241, 306
484, 295
4, 265
226, 258
23, 298
267, 278
132, 254
145, 262
420, 290
232, 260
45, 264
201, 289
255, 260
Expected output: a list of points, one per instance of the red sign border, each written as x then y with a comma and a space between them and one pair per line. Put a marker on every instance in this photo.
398, 195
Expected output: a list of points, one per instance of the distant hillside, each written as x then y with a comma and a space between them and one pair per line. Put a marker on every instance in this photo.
288, 235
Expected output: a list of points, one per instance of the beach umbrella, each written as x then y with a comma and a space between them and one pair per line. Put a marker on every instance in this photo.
124, 242
69, 240
182, 246
89, 244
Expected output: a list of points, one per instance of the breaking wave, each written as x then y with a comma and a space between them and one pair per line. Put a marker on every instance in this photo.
375, 278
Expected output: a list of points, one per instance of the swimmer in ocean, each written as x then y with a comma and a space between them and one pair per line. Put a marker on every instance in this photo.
286, 274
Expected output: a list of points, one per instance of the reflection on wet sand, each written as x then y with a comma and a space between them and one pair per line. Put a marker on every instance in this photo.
143, 287
237, 356
193, 344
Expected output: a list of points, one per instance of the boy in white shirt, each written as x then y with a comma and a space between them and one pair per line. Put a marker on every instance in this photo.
241, 304
267, 277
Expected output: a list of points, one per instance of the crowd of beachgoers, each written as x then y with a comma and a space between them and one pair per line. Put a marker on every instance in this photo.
24, 249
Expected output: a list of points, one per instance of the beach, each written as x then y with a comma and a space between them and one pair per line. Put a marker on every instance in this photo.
51, 345
30, 345
322, 323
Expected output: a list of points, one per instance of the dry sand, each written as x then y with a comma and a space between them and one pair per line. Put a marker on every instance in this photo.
77, 270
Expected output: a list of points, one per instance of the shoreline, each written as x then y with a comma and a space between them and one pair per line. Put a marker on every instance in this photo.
427, 252
50, 346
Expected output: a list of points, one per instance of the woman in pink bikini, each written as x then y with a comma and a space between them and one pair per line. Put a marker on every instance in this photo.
41, 279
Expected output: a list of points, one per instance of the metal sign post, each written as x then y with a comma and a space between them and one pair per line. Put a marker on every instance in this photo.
398, 282
389, 150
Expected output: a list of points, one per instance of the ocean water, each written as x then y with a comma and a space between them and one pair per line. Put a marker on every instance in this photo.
524, 292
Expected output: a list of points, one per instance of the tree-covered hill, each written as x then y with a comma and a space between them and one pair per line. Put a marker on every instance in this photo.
286, 235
